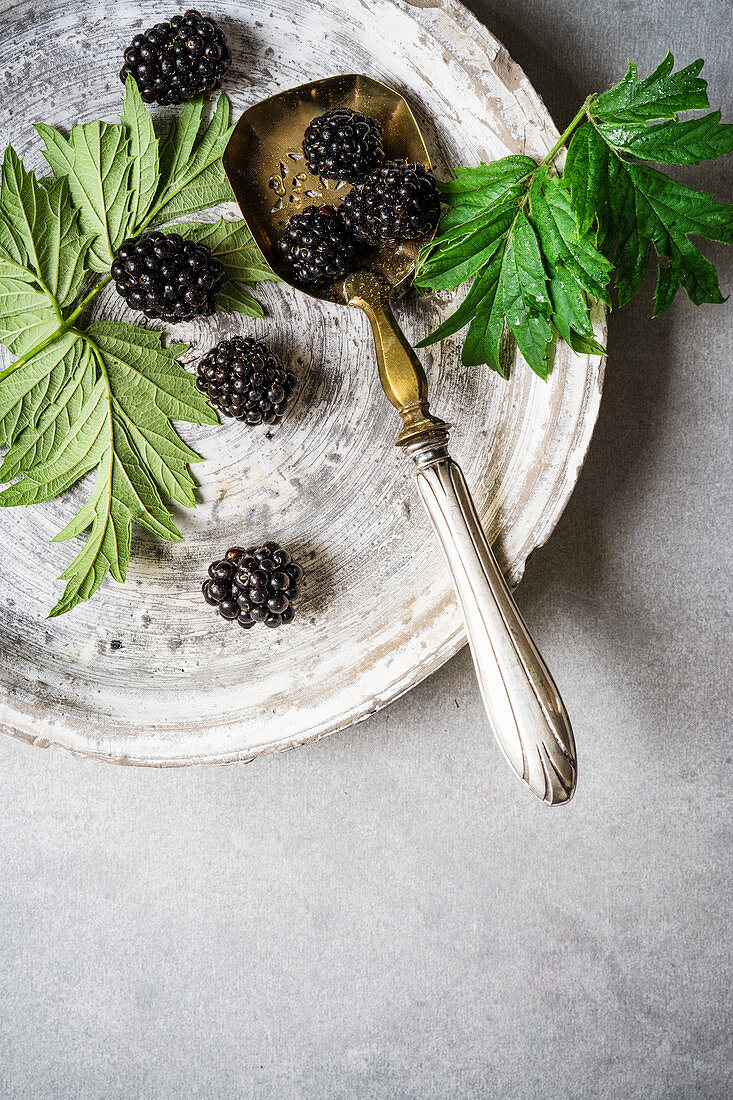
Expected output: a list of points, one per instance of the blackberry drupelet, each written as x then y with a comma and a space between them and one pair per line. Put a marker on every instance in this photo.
165, 276
174, 61
256, 585
343, 145
398, 201
243, 378
316, 246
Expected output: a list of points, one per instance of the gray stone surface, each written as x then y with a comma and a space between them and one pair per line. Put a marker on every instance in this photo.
388, 914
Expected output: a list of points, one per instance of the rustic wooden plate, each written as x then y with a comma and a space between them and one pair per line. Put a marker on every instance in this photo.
145, 673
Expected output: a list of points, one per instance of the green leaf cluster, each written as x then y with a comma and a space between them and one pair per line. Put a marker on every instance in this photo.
541, 246
98, 395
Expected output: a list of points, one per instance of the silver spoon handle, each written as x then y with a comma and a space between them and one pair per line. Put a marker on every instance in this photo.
524, 707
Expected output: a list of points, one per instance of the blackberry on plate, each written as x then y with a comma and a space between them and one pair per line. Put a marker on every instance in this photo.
343, 145
398, 201
316, 246
243, 378
174, 61
165, 276
256, 585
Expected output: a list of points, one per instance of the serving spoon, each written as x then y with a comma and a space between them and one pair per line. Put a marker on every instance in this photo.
270, 179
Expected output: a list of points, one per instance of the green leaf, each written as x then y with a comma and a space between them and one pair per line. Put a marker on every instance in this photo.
586, 174
524, 296
491, 181
209, 188
192, 175
466, 310
53, 413
106, 398
570, 316
96, 161
50, 462
39, 233
509, 290
144, 175
636, 207
235, 299
663, 94
689, 142
27, 316
233, 245
42, 256
462, 251
562, 241
150, 389
485, 333
147, 377
27, 391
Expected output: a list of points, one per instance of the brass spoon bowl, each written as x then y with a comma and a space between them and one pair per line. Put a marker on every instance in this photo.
269, 176
266, 168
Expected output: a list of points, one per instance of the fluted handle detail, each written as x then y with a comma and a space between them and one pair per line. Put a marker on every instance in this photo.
522, 702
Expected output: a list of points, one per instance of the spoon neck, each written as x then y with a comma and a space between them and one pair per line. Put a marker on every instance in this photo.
400, 371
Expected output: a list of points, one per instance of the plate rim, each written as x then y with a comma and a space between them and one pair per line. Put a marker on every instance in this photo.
469, 25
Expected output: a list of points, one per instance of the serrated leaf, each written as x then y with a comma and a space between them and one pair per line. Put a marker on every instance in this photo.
524, 296
586, 174
490, 181
144, 174
539, 273
51, 462
106, 398
462, 251
39, 234
480, 287
637, 207
689, 142
555, 220
235, 299
485, 333
27, 316
190, 162
51, 414
25, 392
571, 315
208, 189
662, 94
147, 377
151, 389
95, 159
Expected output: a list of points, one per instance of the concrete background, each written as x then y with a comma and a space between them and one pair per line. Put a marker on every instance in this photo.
387, 913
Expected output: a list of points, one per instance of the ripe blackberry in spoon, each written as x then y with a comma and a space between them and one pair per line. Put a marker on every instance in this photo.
343, 144
399, 201
258, 584
176, 60
317, 247
167, 277
243, 378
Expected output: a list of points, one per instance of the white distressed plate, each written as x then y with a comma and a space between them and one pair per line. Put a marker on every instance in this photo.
378, 613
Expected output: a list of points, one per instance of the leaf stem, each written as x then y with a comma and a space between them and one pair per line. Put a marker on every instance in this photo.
65, 326
562, 140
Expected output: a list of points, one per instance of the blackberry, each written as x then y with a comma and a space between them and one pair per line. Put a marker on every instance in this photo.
316, 246
243, 378
256, 585
398, 201
343, 145
177, 60
164, 276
